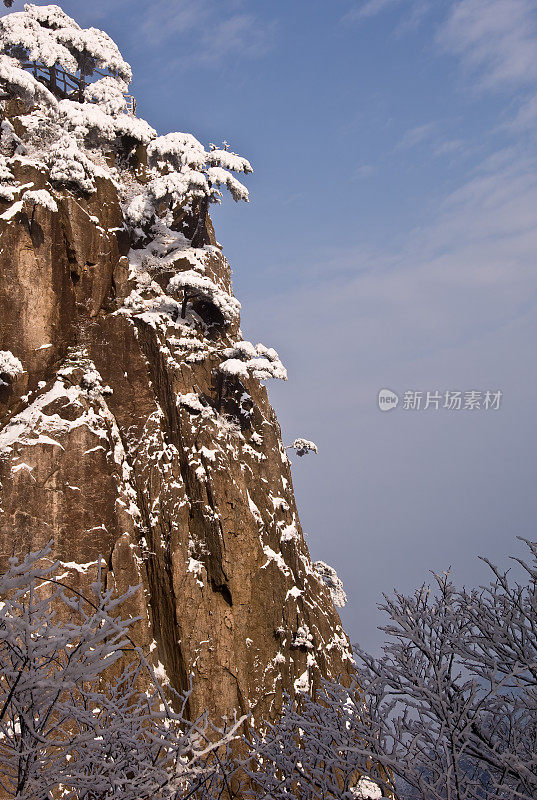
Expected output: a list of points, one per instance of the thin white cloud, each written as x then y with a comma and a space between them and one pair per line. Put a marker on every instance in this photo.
471, 271
206, 32
525, 118
166, 18
496, 40
448, 147
239, 35
415, 136
363, 171
415, 13
369, 9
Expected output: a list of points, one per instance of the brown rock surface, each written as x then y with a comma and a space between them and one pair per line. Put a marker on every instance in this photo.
115, 443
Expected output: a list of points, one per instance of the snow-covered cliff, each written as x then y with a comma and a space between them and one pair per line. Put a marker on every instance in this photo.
134, 424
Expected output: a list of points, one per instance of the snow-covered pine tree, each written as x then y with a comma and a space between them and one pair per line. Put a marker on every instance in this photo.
242, 360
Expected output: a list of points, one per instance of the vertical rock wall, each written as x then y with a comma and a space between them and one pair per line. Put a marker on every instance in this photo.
120, 442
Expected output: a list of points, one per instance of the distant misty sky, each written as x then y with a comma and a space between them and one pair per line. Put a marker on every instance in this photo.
391, 241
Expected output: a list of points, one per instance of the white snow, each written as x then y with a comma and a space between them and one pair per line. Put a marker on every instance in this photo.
40, 197
302, 683
303, 446
10, 365
12, 211
201, 286
366, 789
303, 638
330, 577
262, 362
277, 558
294, 592
17, 468
256, 514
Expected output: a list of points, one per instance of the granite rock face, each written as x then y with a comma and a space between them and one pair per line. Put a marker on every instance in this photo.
122, 441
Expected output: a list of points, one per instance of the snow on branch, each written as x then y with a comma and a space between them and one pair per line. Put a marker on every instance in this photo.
70, 166
24, 37
9, 141
218, 176
228, 160
82, 712
50, 36
14, 81
176, 150
109, 94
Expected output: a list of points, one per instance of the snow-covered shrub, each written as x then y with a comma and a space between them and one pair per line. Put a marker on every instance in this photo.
303, 638
15, 82
182, 170
217, 176
302, 447
40, 197
69, 166
330, 577
175, 151
10, 366
92, 383
196, 286
244, 359
108, 93
7, 180
228, 160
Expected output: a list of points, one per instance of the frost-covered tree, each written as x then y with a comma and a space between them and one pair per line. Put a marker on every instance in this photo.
82, 714
448, 711
308, 754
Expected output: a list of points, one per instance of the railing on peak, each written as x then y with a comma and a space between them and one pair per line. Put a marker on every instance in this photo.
131, 104
67, 86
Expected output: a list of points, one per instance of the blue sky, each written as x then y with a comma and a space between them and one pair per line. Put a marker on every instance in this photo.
390, 242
